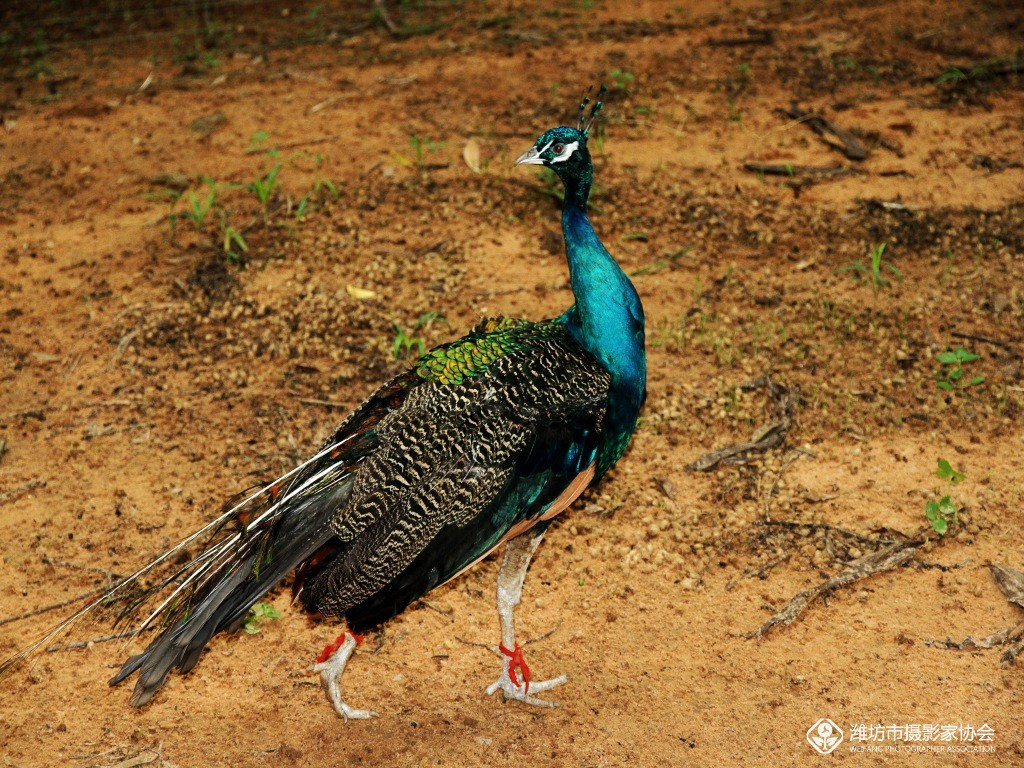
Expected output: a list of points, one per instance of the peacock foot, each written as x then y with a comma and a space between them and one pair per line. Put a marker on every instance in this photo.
331, 664
512, 667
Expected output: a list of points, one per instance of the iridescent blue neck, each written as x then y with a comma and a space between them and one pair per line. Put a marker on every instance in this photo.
608, 318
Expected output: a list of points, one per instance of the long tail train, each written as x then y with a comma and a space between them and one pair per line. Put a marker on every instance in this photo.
247, 550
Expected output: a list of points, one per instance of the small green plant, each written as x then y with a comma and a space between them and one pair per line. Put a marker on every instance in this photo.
419, 145
406, 341
621, 79
302, 207
199, 206
172, 196
952, 371
307, 202
951, 75
874, 271
258, 144
734, 113
329, 186
263, 188
233, 239
946, 472
260, 614
942, 513
41, 67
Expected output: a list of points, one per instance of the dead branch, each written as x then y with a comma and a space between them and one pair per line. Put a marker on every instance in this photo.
54, 606
97, 640
760, 573
450, 615
1011, 653
382, 13
1002, 637
1010, 581
294, 144
986, 340
786, 464
20, 490
884, 560
764, 439
544, 635
794, 171
825, 527
754, 37
849, 144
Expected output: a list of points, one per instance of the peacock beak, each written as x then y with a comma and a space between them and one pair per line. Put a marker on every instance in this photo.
530, 157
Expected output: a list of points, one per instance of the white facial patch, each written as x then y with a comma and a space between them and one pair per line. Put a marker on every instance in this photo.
566, 153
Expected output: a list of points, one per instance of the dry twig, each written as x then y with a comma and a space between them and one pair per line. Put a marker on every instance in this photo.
849, 144
884, 560
786, 464
1001, 637
824, 527
97, 640
382, 13
14, 493
754, 37
1010, 581
818, 172
760, 573
764, 439
54, 606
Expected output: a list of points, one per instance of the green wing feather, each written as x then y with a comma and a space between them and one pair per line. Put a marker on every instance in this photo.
472, 354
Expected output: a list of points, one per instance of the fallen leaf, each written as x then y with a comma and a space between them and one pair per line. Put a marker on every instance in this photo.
360, 293
666, 486
207, 124
140, 759
471, 154
1011, 581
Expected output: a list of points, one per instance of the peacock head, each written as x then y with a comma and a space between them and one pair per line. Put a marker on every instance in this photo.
564, 149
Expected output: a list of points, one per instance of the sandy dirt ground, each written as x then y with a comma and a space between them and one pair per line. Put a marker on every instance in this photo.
151, 366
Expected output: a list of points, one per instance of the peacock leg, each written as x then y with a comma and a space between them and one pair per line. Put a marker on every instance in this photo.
518, 553
331, 665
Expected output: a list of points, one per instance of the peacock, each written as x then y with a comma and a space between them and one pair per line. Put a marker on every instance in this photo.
482, 443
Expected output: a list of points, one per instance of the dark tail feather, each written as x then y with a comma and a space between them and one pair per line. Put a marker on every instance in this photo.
239, 577
243, 554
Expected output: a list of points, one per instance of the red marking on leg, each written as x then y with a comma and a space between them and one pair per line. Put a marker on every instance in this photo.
327, 652
517, 661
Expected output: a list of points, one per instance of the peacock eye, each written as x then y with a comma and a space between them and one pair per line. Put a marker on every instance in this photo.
559, 148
